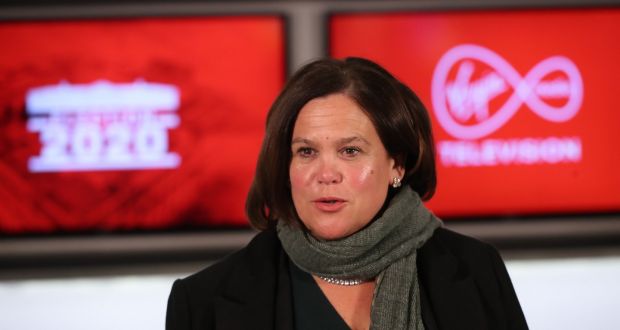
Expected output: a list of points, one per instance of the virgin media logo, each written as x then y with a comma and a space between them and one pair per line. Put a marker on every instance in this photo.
471, 104
459, 100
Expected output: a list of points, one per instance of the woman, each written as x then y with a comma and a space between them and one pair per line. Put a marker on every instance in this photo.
346, 241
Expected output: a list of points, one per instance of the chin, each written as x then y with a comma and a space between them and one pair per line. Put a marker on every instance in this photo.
330, 233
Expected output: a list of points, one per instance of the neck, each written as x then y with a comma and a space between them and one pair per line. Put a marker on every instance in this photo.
353, 303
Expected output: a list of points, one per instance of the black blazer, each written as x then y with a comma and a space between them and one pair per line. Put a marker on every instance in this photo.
463, 285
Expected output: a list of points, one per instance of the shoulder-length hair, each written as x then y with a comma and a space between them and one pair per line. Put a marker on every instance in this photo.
398, 115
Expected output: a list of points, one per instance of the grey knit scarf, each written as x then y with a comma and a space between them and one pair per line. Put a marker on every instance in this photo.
384, 250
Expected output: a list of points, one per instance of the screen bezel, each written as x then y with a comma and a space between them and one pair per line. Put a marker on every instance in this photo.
450, 7
86, 13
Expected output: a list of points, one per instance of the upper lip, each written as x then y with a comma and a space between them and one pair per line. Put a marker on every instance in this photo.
329, 199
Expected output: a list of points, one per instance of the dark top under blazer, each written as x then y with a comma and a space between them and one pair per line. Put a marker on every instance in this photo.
463, 284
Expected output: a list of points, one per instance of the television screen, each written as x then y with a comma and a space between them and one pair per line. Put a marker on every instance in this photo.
522, 102
133, 124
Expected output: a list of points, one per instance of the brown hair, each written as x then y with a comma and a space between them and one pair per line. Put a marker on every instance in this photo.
400, 118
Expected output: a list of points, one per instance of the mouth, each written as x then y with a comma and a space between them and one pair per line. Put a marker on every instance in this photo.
329, 200
329, 204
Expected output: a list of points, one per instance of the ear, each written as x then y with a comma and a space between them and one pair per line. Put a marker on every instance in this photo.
398, 171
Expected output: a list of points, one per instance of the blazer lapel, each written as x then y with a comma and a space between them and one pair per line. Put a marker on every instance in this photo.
258, 294
284, 296
233, 309
451, 298
227, 313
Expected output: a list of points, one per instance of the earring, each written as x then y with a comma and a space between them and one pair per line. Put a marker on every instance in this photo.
396, 182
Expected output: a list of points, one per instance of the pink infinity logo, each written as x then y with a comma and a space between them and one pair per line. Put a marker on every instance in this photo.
457, 101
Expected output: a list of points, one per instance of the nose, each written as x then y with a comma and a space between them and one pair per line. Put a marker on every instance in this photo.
329, 172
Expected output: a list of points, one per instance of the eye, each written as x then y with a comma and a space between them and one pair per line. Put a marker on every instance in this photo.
305, 152
350, 151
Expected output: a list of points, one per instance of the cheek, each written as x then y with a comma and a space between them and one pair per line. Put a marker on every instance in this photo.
364, 176
299, 177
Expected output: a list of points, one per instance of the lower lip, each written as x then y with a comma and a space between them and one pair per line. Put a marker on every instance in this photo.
329, 207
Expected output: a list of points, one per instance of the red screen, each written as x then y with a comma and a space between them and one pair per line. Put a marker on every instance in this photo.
133, 124
522, 102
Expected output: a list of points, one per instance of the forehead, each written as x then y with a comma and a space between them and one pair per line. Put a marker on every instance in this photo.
335, 114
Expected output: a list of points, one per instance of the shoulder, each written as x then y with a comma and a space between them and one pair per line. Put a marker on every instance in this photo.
264, 247
462, 247
467, 280
457, 240
452, 252
193, 300
450, 257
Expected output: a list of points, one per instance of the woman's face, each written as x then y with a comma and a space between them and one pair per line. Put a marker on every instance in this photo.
340, 170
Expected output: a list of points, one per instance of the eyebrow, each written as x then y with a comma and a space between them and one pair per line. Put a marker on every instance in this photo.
339, 141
